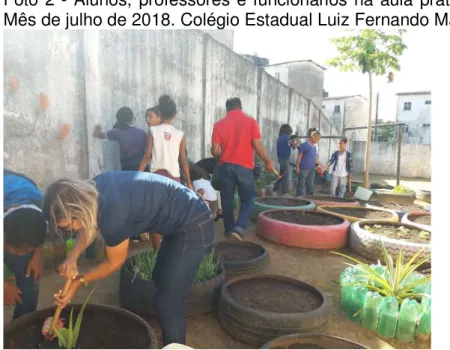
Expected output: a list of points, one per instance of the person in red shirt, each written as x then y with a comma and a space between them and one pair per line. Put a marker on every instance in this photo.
235, 140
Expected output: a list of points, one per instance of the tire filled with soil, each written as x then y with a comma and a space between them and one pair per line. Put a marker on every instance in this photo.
268, 203
241, 258
102, 327
366, 238
354, 214
328, 200
400, 209
303, 229
258, 308
311, 341
418, 219
389, 196
137, 294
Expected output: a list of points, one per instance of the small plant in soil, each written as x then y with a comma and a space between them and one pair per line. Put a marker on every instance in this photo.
68, 337
397, 280
143, 265
400, 189
400, 232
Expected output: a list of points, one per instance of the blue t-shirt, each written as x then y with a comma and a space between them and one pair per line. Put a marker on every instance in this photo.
18, 189
132, 142
309, 156
133, 202
283, 148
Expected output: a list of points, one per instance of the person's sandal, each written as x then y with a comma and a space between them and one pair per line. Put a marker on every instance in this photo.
237, 237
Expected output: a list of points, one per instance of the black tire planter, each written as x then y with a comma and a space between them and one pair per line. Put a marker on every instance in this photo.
242, 266
257, 327
424, 196
306, 341
132, 332
137, 295
389, 196
368, 244
260, 206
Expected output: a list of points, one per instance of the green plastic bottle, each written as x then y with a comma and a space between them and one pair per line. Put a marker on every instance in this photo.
388, 317
407, 321
423, 330
356, 304
69, 245
346, 293
371, 311
235, 201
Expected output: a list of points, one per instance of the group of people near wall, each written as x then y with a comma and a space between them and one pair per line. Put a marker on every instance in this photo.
147, 195
299, 161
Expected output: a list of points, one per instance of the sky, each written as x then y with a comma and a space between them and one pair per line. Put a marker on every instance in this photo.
281, 45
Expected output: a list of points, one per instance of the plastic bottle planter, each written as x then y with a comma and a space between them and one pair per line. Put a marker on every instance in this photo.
406, 322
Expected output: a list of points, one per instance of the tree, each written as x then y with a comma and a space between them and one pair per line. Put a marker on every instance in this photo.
370, 51
386, 133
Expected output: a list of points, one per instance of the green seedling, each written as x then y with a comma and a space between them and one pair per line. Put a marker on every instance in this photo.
68, 337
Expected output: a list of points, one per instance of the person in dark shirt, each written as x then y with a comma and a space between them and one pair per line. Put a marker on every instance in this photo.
24, 230
283, 153
120, 204
131, 140
207, 164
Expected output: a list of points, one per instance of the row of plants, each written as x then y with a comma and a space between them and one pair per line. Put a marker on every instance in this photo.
394, 299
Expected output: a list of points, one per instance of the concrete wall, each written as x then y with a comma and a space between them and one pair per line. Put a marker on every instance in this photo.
225, 37
415, 161
417, 119
88, 75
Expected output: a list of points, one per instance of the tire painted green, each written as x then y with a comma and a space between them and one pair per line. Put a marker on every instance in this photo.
259, 207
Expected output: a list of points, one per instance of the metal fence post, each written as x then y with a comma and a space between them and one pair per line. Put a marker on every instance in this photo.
399, 152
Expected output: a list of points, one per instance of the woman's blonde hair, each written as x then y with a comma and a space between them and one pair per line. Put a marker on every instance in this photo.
72, 199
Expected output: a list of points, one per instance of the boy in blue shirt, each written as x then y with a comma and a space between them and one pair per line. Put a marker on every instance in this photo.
24, 229
306, 163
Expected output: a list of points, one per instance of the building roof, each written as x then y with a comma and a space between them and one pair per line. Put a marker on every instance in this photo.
298, 61
342, 97
414, 93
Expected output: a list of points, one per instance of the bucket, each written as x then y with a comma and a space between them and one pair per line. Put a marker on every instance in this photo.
363, 193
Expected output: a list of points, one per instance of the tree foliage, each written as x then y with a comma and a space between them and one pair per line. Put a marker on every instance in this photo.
369, 51
385, 133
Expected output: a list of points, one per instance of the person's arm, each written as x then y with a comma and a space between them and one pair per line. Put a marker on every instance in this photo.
299, 159
148, 153
98, 132
350, 165
215, 141
115, 258
260, 151
185, 164
68, 267
321, 164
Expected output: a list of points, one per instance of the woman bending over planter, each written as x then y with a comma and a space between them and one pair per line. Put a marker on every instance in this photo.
120, 205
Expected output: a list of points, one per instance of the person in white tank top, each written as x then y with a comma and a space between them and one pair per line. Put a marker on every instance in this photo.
166, 145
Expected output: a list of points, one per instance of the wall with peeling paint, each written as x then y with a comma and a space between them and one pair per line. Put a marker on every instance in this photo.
87, 75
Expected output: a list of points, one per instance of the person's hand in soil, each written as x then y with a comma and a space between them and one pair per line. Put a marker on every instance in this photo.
69, 268
11, 294
35, 265
63, 301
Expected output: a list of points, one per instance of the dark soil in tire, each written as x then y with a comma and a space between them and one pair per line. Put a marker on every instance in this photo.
234, 252
398, 207
304, 218
302, 346
274, 296
418, 219
368, 214
407, 234
99, 330
329, 199
284, 202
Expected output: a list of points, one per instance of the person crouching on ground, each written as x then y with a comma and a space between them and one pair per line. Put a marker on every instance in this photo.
342, 162
306, 163
24, 229
120, 204
202, 186
283, 153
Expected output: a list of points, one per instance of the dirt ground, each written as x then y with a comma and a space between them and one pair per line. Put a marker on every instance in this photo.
319, 268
